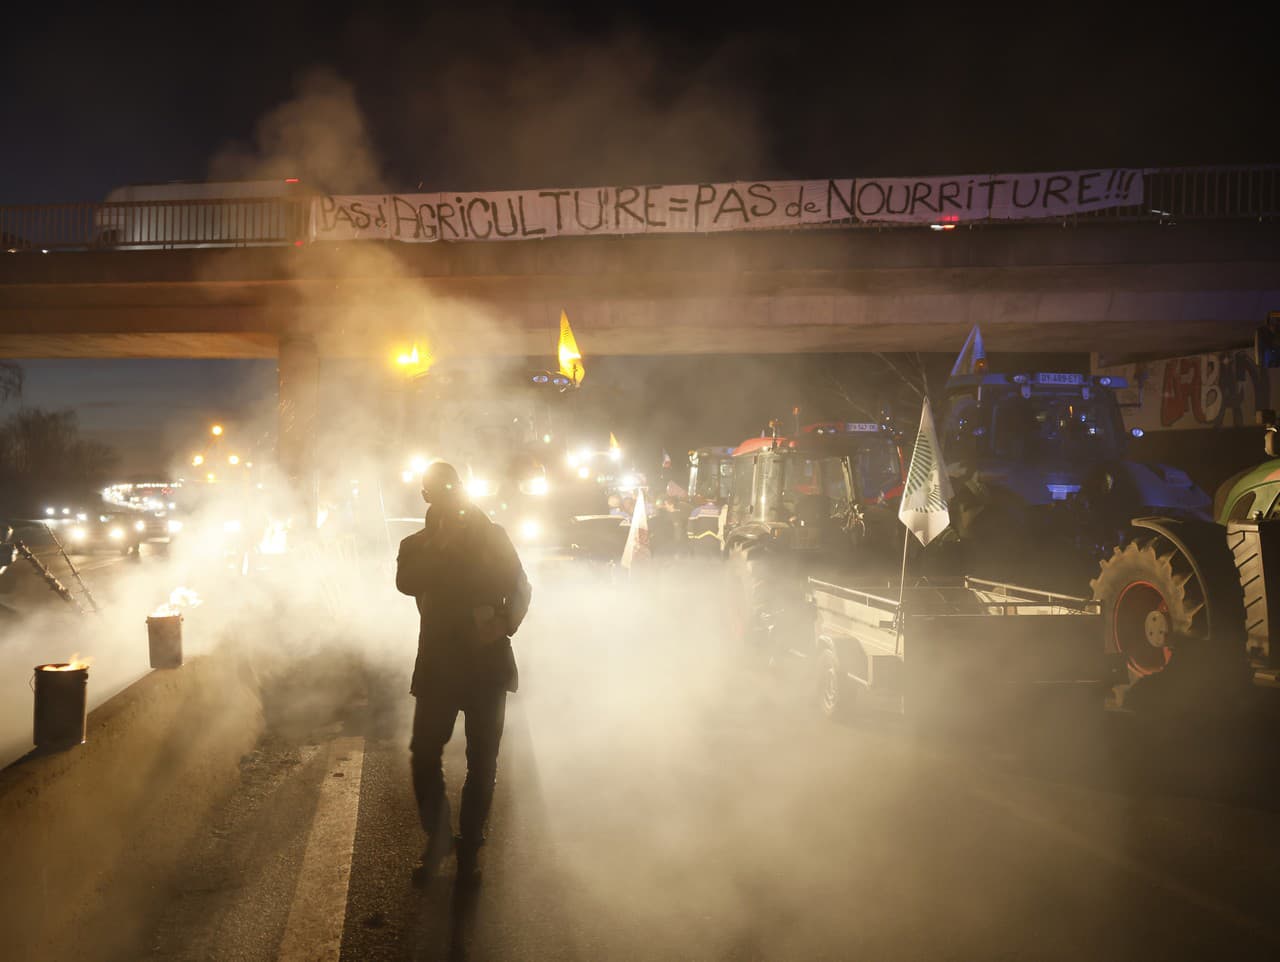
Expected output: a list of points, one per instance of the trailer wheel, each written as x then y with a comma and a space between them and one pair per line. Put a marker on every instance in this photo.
833, 691
1176, 590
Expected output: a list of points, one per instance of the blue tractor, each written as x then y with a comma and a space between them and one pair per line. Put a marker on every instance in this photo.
1046, 496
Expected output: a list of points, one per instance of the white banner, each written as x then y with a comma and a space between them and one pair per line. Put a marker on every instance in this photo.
701, 208
955, 200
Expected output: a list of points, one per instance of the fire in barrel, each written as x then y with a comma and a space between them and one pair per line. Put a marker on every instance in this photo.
60, 695
164, 628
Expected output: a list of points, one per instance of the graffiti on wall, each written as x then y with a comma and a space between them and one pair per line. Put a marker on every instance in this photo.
1220, 390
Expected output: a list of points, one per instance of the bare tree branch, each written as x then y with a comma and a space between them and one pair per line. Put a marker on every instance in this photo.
11, 379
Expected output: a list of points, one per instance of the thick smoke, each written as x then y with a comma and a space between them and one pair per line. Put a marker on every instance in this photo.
319, 136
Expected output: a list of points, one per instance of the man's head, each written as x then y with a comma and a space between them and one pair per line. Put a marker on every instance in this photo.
441, 484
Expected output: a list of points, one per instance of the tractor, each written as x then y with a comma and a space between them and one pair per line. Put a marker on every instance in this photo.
1184, 598
821, 502
1046, 496
710, 482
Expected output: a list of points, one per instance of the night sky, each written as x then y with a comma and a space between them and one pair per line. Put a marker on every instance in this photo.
503, 96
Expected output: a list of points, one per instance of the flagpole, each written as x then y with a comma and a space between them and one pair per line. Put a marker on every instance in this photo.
902, 585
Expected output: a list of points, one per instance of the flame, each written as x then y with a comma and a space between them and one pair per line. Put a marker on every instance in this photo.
179, 598
76, 662
413, 362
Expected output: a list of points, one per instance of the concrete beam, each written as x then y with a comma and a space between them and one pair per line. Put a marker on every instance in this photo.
1111, 288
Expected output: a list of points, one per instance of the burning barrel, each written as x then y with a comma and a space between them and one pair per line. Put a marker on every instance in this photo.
164, 635
60, 690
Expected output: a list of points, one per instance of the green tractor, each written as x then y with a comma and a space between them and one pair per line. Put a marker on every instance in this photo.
814, 505
1188, 597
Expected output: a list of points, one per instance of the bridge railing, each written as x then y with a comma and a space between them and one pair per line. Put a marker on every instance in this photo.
145, 225
1170, 195
1249, 192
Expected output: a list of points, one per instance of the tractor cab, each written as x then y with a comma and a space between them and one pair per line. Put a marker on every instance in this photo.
828, 484
1040, 435
710, 485
710, 475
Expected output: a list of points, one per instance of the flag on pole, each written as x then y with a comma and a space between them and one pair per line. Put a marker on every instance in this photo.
637, 547
570, 357
972, 358
928, 489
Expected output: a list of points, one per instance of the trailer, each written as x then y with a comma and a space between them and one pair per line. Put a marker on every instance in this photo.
974, 646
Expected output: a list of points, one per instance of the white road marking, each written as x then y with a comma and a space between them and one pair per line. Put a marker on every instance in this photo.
319, 911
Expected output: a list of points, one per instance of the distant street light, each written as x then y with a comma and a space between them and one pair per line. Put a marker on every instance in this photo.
234, 459
197, 460
210, 477
216, 430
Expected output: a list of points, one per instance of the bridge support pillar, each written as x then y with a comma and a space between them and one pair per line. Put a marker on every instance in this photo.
298, 370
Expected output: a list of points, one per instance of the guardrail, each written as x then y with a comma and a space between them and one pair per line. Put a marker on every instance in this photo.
146, 225
1171, 195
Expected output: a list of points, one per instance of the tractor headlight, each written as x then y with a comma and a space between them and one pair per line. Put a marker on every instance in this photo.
116, 533
175, 527
530, 530
79, 535
584, 472
139, 526
479, 488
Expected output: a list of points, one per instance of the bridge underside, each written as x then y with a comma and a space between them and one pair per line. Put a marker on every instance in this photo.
1116, 290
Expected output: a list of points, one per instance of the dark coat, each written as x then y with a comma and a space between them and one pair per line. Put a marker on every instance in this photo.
461, 568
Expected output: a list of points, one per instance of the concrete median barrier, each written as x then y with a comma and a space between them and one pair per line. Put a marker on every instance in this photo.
88, 837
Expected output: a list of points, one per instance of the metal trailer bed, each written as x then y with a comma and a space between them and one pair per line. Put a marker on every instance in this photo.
978, 643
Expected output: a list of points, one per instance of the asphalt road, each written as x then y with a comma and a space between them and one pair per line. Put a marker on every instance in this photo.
658, 799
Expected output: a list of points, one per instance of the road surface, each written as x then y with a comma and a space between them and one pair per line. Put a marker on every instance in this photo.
660, 800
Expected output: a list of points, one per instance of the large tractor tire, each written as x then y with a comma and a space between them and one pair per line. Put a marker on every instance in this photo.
1173, 611
753, 588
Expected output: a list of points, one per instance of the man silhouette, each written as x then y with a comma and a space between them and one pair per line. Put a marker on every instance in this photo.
472, 595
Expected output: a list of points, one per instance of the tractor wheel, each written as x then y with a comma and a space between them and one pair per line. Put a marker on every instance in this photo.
750, 592
834, 696
1165, 601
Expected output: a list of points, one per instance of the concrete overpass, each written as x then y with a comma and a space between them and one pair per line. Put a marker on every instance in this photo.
1116, 288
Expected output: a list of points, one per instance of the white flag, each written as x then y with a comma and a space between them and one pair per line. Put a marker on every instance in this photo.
969, 356
637, 547
928, 489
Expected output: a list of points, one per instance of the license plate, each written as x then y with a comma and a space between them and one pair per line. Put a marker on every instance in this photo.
1059, 378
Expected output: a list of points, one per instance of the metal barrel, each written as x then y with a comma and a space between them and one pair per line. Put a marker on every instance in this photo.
60, 693
164, 636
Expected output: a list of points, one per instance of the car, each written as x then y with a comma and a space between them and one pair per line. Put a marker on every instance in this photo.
84, 532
